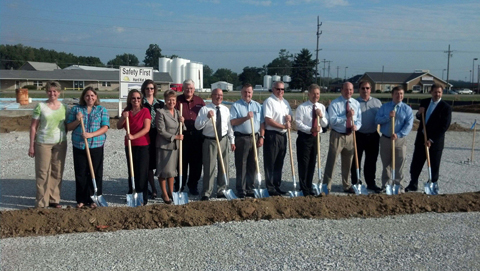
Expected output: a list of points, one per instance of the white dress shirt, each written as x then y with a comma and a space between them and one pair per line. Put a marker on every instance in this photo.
304, 117
203, 122
276, 109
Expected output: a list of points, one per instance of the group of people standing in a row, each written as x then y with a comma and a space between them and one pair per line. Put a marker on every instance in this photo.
155, 134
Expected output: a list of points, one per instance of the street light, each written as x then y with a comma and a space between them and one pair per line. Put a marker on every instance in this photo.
345, 78
473, 70
443, 72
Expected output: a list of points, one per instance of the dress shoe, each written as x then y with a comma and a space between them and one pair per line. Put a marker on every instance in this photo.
220, 196
280, 191
411, 188
204, 198
273, 193
250, 194
349, 190
374, 188
193, 191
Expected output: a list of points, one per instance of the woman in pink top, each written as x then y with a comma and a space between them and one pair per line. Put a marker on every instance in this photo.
139, 120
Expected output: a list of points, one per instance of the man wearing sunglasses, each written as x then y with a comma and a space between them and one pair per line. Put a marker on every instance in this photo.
367, 137
278, 119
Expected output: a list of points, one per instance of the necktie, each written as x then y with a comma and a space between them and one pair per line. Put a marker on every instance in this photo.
429, 111
218, 123
314, 120
349, 119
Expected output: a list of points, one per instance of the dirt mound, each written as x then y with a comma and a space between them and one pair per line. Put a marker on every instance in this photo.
34, 222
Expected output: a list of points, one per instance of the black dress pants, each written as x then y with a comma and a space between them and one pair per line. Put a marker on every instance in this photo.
83, 177
274, 151
418, 161
140, 157
370, 144
191, 160
306, 158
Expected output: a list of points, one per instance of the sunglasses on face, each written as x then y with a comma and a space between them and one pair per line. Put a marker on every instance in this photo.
150, 88
280, 88
365, 88
136, 98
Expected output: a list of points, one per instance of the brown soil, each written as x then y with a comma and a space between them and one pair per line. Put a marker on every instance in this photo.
35, 222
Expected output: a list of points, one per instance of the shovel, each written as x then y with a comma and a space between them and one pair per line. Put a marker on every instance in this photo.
258, 192
320, 187
392, 188
180, 198
99, 200
430, 188
228, 193
135, 199
293, 193
359, 188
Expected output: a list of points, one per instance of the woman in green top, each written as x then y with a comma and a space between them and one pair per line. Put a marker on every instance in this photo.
48, 144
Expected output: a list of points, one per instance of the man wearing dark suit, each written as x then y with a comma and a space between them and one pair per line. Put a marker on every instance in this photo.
438, 115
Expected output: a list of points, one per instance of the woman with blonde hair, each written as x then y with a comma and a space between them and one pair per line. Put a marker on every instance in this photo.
48, 144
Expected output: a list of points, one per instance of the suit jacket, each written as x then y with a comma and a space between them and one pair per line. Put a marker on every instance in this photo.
436, 125
168, 127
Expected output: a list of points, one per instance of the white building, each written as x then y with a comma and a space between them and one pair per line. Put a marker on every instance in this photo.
222, 85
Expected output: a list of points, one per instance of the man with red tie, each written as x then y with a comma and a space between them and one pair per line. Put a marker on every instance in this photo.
344, 114
306, 118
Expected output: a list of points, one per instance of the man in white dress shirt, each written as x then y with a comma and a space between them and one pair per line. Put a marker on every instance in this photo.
278, 119
306, 118
221, 117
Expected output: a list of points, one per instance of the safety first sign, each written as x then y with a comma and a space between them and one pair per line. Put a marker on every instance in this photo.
132, 78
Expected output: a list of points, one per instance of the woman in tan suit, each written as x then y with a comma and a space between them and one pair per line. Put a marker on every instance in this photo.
168, 121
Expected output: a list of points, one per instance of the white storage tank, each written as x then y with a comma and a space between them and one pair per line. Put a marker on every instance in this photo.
287, 78
276, 78
164, 64
267, 81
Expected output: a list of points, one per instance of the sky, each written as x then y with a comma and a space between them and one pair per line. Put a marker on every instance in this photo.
365, 36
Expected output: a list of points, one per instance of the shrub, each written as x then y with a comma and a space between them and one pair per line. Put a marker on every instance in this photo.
410, 91
378, 91
30, 87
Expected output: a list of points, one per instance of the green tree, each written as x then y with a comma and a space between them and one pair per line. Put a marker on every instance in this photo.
152, 55
303, 70
123, 60
252, 75
282, 65
207, 76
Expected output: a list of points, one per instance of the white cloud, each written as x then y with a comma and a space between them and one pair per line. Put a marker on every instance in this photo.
258, 3
119, 29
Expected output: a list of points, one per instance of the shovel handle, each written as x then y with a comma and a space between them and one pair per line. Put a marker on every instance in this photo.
426, 138
291, 153
393, 144
254, 145
87, 149
130, 159
180, 150
219, 151
318, 147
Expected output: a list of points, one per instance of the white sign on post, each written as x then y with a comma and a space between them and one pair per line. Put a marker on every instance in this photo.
132, 78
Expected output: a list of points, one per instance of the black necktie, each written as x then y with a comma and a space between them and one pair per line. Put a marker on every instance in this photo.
349, 119
219, 123
314, 120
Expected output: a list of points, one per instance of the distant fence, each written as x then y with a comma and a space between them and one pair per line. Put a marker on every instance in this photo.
73, 89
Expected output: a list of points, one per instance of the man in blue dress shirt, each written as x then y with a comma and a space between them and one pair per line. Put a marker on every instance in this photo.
240, 114
403, 125
343, 115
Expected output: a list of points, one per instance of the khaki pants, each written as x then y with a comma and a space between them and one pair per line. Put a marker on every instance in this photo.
386, 156
212, 159
49, 165
343, 145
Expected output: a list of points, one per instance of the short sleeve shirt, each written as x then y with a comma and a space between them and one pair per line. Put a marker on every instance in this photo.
51, 129
97, 118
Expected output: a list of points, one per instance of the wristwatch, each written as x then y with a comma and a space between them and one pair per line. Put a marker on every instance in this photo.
262, 137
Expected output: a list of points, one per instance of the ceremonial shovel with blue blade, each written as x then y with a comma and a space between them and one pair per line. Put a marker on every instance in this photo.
320, 187
135, 199
359, 188
391, 188
430, 187
180, 198
258, 192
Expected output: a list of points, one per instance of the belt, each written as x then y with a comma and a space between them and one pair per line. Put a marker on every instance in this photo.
367, 134
386, 136
300, 133
213, 138
345, 134
238, 134
275, 132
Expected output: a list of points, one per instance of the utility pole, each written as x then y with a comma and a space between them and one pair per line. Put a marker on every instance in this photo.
319, 24
329, 68
323, 61
449, 52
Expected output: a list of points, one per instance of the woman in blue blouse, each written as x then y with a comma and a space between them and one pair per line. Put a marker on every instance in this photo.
96, 121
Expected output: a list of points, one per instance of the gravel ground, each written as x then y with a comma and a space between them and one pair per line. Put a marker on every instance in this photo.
424, 241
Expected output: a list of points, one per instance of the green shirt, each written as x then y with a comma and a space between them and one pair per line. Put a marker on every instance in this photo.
51, 129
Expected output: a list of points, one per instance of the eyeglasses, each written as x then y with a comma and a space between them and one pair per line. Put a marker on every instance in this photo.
365, 88
150, 88
280, 89
136, 98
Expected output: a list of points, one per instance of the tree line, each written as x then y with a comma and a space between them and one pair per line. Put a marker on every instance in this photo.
301, 66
